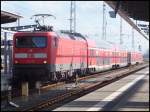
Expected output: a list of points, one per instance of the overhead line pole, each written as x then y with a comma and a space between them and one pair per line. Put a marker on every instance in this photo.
72, 16
104, 24
132, 38
121, 42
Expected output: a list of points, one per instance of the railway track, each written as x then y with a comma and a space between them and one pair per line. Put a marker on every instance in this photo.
85, 88
17, 92
92, 75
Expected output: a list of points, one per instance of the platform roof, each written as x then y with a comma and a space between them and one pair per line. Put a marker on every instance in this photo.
7, 17
138, 10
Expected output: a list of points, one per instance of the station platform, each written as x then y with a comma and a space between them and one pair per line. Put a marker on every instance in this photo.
128, 94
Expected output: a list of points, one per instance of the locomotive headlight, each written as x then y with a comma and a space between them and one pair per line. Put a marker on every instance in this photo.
44, 62
16, 62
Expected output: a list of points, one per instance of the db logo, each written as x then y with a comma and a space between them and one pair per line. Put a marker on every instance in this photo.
30, 55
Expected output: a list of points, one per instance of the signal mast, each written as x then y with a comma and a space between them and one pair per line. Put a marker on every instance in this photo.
72, 17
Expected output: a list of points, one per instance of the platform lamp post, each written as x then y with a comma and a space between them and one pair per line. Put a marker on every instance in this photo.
133, 38
72, 16
121, 42
140, 48
104, 22
5, 52
9, 44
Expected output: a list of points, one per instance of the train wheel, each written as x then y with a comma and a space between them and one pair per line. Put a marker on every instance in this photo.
113, 67
85, 72
82, 73
54, 77
137, 63
70, 73
50, 76
66, 75
76, 78
89, 70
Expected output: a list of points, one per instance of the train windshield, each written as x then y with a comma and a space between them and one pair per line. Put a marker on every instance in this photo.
31, 42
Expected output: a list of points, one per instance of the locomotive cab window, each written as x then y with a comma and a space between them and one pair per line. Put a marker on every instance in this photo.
31, 42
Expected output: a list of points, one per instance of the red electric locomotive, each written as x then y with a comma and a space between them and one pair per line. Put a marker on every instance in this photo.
49, 55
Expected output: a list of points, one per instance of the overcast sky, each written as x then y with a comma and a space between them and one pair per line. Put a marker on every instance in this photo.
88, 16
